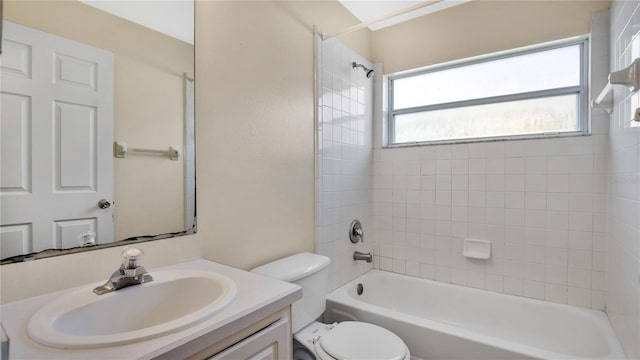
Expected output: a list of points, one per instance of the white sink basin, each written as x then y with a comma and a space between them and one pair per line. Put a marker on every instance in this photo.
173, 301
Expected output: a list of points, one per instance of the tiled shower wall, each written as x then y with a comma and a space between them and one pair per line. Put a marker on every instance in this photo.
541, 203
344, 174
623, 243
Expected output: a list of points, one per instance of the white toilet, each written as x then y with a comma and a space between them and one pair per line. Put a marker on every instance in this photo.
317, 341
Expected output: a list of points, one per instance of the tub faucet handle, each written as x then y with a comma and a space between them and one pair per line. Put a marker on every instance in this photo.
355, 232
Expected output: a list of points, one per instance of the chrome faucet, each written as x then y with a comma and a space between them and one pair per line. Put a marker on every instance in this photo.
129, 273
362, 256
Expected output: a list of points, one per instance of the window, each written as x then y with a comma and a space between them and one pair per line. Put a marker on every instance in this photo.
536, 92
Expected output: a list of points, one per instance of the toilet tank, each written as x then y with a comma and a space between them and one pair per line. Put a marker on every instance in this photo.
309, 271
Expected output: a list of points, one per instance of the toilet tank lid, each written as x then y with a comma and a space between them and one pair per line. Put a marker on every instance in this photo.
294, 267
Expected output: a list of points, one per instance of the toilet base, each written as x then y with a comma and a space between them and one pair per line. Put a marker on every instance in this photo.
301, 352
304, 340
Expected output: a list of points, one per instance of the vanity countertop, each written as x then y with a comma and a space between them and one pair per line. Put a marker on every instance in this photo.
257, 297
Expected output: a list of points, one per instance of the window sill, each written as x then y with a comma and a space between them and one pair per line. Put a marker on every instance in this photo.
490, 139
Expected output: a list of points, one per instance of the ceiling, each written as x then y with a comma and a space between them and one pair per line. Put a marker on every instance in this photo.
366, 10
170, 17
175, 17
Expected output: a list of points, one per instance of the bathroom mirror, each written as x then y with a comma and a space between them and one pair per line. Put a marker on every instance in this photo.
97, 140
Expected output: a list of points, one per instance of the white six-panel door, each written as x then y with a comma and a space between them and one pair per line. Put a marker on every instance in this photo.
56, 135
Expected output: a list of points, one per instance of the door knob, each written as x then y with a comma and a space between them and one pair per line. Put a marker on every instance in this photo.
104, 204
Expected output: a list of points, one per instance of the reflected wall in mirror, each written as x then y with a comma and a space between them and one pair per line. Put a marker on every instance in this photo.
75, 79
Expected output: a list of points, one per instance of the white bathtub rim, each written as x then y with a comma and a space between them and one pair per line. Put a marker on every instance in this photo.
461, 333
340, 295
473, 336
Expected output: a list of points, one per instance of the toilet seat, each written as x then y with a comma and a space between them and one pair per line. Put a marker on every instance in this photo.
358, 340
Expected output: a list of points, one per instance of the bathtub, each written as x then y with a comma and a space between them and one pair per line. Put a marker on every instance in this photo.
443, 321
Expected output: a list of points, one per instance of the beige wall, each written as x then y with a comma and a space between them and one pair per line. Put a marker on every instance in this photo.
479, 27
255, 138
149, 106
26, 279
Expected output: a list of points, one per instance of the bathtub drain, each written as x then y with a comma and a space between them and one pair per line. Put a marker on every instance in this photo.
360, 289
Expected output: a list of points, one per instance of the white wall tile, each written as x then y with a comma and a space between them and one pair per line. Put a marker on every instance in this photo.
556, 293
579, 297
345, 167
513, 286
459, 166
477, 164
536, 165
558, 201
536, 182
534, 289
558, 165
514, 200
622, 240
515, 165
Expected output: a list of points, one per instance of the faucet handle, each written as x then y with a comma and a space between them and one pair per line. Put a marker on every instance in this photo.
131, 257
355, 232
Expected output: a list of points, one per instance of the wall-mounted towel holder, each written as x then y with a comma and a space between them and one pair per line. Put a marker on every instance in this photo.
121, 150
629, 77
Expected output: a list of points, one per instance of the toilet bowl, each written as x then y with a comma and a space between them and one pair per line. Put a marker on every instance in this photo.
314, 340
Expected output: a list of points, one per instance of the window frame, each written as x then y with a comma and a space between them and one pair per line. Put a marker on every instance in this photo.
581, 90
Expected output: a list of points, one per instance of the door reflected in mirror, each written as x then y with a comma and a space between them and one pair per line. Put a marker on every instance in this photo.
75, 80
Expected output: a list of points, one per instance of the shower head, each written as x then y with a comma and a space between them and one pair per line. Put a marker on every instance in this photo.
367, 71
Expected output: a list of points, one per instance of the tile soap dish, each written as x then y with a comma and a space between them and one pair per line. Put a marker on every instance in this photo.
476, 249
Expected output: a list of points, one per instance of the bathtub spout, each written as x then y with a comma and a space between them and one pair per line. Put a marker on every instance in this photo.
362, 256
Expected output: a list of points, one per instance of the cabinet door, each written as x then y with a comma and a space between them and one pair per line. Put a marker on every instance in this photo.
268, 353
270, 343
